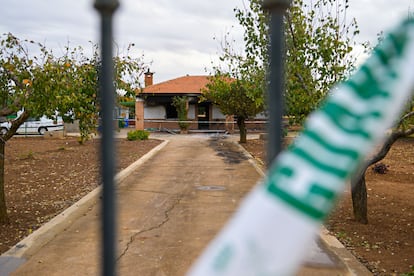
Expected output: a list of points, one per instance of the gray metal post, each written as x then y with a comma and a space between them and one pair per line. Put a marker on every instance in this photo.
276, 76
106, 8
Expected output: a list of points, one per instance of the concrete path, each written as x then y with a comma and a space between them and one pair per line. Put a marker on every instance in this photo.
169, 208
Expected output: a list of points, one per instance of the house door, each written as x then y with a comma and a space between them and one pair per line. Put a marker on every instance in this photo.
203, 115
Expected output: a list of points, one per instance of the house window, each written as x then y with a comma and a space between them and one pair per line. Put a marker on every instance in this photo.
171, 111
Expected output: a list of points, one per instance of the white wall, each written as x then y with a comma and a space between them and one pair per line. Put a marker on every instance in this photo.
158, 112
155, 112
191, 112
261, 115
217, 114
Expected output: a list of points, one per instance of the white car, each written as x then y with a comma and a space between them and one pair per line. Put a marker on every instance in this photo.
35, 126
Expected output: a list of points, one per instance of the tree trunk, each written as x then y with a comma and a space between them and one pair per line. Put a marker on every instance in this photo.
358, 185
3, 138
3, 209
242, 128
359, 199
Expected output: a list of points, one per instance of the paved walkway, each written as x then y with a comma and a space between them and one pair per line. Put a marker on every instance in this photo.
170, 204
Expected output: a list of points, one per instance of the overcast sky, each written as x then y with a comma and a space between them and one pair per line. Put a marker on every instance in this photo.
175, 35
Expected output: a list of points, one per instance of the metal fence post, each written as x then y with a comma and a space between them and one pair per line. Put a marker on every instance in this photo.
276, 76
106, 8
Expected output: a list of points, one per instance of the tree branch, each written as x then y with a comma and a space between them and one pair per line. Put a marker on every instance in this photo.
302, 83
386, 146
409, 132
15, 124
291, 30
405, 117
6, 110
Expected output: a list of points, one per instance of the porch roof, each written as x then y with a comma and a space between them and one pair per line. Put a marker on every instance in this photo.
182, 85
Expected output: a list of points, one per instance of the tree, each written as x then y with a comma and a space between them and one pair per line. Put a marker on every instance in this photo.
28, 84
319, 41
128, 73
79, 101
44, 84
403, 128
237, 86
181, 105
318, 45
234, 97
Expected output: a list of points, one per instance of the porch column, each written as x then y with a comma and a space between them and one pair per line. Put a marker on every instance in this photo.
139, 114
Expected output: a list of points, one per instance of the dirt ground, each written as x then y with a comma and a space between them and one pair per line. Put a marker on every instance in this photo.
386, 244
45, 176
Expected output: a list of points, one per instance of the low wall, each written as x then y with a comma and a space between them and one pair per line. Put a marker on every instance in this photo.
256, 125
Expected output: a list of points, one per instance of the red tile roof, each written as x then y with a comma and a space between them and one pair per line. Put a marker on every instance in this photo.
182, 85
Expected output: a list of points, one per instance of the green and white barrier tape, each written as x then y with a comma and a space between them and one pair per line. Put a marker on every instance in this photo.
271, 232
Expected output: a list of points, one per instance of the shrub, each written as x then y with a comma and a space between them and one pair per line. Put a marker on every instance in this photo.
380, 168
180, 104
134, 135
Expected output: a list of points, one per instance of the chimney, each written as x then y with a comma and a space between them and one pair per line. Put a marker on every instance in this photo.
148, 78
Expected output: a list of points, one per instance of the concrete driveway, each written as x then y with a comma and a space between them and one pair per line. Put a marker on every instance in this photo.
169, 208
